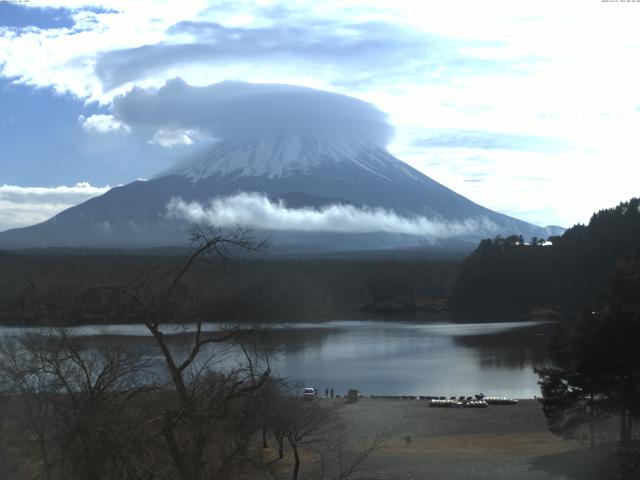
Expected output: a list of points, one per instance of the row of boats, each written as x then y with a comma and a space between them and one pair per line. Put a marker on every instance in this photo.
448, 403
478, 401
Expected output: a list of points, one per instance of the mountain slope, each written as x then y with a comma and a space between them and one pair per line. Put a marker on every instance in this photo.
300, 171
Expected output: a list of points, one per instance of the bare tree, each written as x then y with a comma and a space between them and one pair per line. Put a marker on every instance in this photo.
278, 420
197, 412
33, 416
275, 407
66, 401
94, 410
340, 456
308, 424
317, 428
7, 465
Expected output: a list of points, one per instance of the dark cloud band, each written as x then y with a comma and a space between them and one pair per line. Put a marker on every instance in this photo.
368, 45
244, 110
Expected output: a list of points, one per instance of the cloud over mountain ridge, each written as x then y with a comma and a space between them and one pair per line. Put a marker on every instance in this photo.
257, 210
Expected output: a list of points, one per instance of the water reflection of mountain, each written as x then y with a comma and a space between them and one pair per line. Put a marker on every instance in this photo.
294, 340
517, 348
277, 341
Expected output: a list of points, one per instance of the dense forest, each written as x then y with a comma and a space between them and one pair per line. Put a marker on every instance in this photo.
563, 273
502, 276
41, 288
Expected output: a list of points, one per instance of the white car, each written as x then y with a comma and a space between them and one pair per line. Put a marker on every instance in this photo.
309, 393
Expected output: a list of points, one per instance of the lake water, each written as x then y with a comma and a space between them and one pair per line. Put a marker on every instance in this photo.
395, 357
413, 358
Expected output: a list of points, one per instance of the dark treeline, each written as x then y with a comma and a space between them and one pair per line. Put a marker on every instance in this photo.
594, 376
516, 274
34, 286
503, 275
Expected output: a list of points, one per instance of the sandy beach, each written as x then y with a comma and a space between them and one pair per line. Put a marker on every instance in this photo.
499, 442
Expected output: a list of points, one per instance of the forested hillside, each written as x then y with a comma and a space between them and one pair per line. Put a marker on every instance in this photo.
565, 273
34, 288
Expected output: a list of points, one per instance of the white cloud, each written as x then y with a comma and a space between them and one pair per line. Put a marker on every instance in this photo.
566, 70
24, 206
102, 124
260, 212
64, 58
171, 138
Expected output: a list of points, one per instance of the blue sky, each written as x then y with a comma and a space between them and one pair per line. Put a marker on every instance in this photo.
528, 108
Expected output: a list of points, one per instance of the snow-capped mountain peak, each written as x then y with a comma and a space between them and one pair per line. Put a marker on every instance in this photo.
283, 156
278, 179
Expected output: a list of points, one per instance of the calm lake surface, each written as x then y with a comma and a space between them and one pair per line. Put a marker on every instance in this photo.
393, 357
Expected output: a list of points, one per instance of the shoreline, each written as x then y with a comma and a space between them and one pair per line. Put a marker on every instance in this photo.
426, 318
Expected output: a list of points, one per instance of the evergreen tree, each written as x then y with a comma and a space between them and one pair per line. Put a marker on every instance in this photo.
596, 360
501, 275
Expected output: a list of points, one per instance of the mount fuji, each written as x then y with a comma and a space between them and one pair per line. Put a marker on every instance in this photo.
296, 188
308, 169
